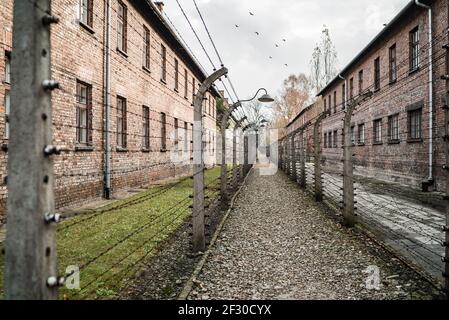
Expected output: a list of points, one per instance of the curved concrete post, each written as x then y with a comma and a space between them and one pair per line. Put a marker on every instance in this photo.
198, 234
348, 170
317, 157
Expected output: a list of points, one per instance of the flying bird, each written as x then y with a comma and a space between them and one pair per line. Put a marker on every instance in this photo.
237, 26
257, 33
277, 46
251, 13
271, 57
286, 65
284, 40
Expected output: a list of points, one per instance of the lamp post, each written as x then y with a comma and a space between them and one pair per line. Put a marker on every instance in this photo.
266, 98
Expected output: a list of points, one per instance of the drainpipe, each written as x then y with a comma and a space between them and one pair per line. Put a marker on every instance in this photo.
429, 8
107, 102
346, 89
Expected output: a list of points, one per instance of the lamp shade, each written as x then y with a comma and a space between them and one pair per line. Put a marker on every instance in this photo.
266, 98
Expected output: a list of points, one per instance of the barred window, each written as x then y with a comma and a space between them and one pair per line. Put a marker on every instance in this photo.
186, 137
86, 12
163, 132
414, 49
83, 112
122, 20
377, 74
7, 112
393, 128
415, 124
145, 128
147, 47
7, 67
176, 135
361, 134
336, 139
393, 64
186, 83
176, 75
121, 122
351, 88
335, 101
353, 135
377, 131
360, 81
164, 63
193, 90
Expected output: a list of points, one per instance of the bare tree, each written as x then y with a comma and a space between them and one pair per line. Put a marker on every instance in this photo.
324, 62
295, 95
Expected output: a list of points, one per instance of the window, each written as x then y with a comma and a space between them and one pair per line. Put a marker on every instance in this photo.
361, 134
414, 49
393, 128
163, 132
186, 137
121, 122
145, 128
7, 112
335, 139
330, 103
176, 135
83, 112
86, 12
147, 48
193, 90
186, 84
325, 139
335, 101
377, 131
360, 82
122, 27
351, 88
353, 135
393, 64
343, 95
325, 104
377, 74
415, 126
164, 63
176, 75
7, 67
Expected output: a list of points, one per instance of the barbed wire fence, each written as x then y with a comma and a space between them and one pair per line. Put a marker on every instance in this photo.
32, 271
408, 222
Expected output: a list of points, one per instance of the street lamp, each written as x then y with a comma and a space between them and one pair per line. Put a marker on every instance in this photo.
265, 98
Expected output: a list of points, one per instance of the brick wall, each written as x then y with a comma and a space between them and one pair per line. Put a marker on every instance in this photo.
404, 161
78, 55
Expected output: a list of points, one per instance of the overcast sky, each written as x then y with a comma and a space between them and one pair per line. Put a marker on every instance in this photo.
352, 23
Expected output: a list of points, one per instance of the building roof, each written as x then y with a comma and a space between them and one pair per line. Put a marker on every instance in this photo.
154, 17
402, 14
300, 114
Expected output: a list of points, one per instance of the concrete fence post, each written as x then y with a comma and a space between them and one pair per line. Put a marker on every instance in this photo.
302, 157
198, 234
446, 168
31, 268
294, 173
348, 169
318, 157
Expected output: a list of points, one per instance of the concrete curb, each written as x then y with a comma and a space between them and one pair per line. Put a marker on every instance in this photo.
189, 285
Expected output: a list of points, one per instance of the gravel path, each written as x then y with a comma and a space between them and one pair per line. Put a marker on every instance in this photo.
279, 244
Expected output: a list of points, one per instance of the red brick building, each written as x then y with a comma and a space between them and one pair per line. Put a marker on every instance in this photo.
142, 98
305, 119
398, 134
